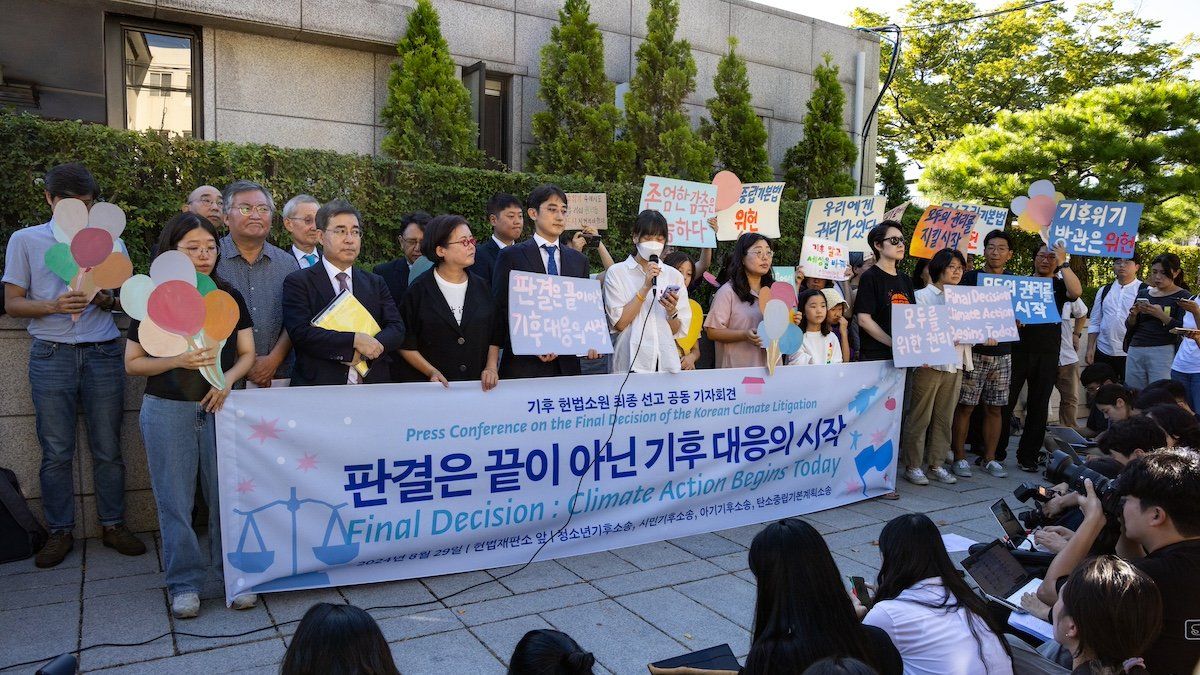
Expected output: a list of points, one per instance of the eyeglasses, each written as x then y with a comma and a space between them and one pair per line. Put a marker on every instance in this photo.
996, 249
412, 243
310, 220
343, 233
197, 251
954, 268
894, 241
1046, 255
761, 253
465, 241
208, 201
246, 209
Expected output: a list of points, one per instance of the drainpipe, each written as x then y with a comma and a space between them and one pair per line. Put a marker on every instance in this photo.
860, 76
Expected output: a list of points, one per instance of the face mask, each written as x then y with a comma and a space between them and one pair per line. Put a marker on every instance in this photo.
646, 249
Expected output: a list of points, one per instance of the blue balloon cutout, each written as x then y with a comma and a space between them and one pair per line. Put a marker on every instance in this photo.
792, 338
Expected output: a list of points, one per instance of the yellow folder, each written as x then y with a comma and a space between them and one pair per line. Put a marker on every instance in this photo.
347, 315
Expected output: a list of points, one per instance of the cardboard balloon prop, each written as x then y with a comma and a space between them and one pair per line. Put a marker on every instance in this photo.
729, 189
792, 338
693, 335
87, 254
782, 290
1035, 212
777, 316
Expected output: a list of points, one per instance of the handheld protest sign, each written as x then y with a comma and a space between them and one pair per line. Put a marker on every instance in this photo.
135, 294
113, 272
157, 342
693, 335
418, 268
173, 266
177, 307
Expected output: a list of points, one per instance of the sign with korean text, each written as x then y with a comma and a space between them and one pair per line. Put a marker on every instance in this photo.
991, 218
1105, 229
845, 220
1032, 297
980, 313
785, 273
757, 210
687, 206
824, 259
321, 490
551, 314
939, 228
586, 209
921, 336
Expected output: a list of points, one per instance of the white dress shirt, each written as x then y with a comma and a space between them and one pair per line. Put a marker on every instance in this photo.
352, 377
1074, 309
301, 254
537, 238
1108, 317
501, 244
658, 352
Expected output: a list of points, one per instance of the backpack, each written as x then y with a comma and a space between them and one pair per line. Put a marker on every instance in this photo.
21, 535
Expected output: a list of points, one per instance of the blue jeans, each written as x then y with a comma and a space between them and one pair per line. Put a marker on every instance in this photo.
180, 442
60, 377
1191, 381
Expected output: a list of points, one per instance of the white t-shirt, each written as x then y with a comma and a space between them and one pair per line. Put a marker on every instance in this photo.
455, 294
1187, 359
817, 349
1066, 349
934, 640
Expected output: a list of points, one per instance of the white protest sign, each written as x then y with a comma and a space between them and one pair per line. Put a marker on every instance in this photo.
587, 209
757, 210
980, 313
687, 206
845, 220
552, 314
824, 259
921, 336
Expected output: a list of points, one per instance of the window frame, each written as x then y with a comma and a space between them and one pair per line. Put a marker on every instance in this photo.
116, 100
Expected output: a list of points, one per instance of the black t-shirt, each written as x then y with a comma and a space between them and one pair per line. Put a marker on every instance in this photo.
185, 384
1176, 571
883, 651
1044, 338
877, 292
1148, 331
971, 278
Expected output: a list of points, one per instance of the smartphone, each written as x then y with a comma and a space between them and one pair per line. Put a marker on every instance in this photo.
672, 289
1142, 301
861, 591
591, 242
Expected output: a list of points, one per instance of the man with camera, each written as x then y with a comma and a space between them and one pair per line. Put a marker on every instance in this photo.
1157, 499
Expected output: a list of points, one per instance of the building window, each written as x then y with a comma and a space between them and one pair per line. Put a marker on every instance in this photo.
490, 109
157, 64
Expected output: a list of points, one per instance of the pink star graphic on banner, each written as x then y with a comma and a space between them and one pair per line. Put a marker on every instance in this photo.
264, 431
245, 486
878, 436
307, 462
853, 486
887, 479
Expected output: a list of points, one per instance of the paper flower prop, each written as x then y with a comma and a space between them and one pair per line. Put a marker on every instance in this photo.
1035, 212
180, 309
87, 255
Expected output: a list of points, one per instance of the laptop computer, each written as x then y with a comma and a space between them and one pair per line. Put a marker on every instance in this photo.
1071, 436
999, 575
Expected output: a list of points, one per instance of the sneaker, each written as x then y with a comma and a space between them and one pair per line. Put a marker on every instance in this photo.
55, 550
962, 468
245, 602
1028, 468
185, 605
915, 476
996, 469
941, 475
120, 538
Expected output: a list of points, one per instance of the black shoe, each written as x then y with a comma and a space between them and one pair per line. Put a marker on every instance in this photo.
55, 550
120, 538
1028, 468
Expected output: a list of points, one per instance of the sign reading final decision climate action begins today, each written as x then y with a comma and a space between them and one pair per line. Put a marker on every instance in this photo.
321, 489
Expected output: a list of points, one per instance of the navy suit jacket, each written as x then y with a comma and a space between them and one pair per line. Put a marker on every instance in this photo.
320, 353
486, 254
525, 257
395, 275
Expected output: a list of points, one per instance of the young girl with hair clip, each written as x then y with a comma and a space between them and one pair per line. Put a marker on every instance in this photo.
820, 346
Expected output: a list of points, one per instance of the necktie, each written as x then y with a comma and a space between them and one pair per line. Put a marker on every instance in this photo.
343, 283
551, 263
311, 259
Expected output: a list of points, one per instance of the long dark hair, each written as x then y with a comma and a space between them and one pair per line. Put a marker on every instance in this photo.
737, 267
912, 550
801, 301
1117, 610
802, 613
1178, 423
1173, 266
549, 652
335, 640
177, 228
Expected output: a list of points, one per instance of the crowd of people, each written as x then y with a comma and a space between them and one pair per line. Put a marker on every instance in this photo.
442, 309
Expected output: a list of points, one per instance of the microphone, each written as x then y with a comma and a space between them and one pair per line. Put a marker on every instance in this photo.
654, 281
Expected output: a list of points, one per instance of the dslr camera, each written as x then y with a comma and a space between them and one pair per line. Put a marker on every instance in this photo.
1061, 468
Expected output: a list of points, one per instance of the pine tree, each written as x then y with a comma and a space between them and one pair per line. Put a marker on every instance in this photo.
577, 133
891, 177
819, 165
656, 121
428, 112
736, 133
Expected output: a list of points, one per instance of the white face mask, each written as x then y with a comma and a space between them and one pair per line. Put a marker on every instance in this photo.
646, 249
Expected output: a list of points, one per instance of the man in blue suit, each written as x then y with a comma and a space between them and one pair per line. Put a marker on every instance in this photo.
323, 356
395, 273
504, 215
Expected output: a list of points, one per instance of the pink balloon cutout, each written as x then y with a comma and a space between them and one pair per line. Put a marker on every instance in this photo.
782, 290
177, 307
729, 189
91, 246
1041, 209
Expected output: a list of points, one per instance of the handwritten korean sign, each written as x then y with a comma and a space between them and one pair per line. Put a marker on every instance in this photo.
844, 219
824, 258
687, 206
977, 313
551, 314
785, 273
587, 209
990, 218
1106, 229
757, 210
921, 336
939, 228
1032, 297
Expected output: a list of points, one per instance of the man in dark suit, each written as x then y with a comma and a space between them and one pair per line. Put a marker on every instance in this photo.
504, 215
395, 273
323, 356
547, 207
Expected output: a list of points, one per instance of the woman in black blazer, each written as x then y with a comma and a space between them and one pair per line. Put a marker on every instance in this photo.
454, 331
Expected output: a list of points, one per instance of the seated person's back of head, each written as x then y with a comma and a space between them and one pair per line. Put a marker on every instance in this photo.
936, 621
839, 665
338, 640
802, 612
1107, 613
1125, 441
550, 652
1181, 427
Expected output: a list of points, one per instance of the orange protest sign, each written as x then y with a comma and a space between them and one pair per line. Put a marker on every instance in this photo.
940, 228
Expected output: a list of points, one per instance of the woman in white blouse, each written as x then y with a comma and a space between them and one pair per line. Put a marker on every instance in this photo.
646, 302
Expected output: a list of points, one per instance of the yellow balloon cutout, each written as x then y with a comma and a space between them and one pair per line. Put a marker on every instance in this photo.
693, 335
1028, 224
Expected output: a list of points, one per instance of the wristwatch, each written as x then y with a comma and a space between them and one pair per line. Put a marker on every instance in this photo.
1062, 266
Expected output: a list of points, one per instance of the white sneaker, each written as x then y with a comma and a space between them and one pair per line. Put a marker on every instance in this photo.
996, 469
245, 602
962, 468
185, 605
940, 474
915, 476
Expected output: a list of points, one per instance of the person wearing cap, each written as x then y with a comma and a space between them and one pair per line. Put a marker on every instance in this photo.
835, 318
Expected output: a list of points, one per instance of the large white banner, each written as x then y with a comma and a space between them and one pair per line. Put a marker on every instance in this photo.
328, 486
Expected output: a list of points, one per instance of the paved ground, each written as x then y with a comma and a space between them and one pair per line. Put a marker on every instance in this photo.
630, 606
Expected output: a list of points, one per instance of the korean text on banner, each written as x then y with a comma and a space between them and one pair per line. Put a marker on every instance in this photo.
757, 210
687, 206
979, 313
921, 336
990, 218
1032, 297
845, 220
550, 314
587, 209
1106, 229
824, 259
939, 228
319, 491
